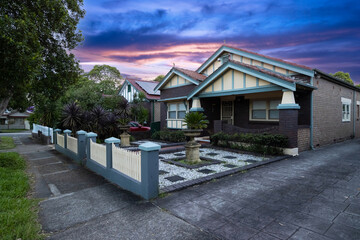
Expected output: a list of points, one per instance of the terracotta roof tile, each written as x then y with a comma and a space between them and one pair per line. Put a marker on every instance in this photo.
192, 74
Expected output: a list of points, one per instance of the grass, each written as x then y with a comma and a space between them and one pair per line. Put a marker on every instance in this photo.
18, 217
12, 130
6, 143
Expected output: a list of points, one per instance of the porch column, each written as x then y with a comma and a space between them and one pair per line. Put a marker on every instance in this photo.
196, 105
288, 121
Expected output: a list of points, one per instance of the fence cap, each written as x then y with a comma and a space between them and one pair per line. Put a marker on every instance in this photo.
112, 140
91, 134
149, 146
67, 131
57, 130
81, 132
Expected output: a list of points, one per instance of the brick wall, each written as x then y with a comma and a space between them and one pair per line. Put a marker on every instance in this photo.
157, 112
303, 138
288, 125
327, 113
176, 91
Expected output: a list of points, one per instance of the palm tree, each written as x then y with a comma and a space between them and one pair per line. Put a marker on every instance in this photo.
72, 117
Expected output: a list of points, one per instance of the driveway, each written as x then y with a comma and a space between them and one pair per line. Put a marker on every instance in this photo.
313, 196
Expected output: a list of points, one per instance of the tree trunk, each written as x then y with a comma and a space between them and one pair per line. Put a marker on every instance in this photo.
4, 103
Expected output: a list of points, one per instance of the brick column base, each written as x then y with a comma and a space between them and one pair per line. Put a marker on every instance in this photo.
288, 125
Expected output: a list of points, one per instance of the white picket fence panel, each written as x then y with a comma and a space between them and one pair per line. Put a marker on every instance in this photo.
127, 162
98, 153
60, 140
45, 131
72, 144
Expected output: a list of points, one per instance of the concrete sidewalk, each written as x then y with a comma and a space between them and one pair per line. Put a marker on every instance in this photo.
313, 196
78, 204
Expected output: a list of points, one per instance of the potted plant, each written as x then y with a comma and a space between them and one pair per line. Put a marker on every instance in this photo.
124, 127
195, 122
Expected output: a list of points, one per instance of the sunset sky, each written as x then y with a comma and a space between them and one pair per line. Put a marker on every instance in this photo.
145, 38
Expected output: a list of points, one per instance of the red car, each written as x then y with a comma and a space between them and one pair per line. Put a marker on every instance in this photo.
136, 127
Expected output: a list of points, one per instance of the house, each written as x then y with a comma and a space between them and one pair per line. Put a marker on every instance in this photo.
133, 87
243, 91
14, 120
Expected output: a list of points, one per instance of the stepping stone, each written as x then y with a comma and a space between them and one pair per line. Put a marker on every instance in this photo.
174, 178
201, 150
179, 154
206, 171
161, 157
161, 172
212, 154
229, 165
250, 161
229, 157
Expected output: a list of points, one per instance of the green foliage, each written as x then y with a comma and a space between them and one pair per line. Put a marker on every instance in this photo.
138, 111
343, 76
72, 117
18, 218
6, 143
36, 39
195, 120
169, 136
261, 143
104, 72
159, 78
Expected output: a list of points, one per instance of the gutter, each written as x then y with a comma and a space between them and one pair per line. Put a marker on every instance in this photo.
354, 112
312, 116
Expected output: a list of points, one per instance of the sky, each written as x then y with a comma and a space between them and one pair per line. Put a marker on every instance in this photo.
145, 38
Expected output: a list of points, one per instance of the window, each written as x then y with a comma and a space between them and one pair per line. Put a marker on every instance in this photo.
129, 88
265, 110
176, 111
358, 109
346, 112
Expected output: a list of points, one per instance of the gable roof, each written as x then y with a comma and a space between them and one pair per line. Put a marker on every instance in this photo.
193, 74
336, 80
140, 86
259, 57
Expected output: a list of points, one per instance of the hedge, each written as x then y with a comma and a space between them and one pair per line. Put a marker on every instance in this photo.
169, 136
261, 143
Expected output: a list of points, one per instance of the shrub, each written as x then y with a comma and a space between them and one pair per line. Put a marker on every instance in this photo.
195, 120
261, 143
170, 136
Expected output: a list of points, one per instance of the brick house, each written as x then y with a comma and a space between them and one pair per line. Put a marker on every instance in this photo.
243, 91
132, 87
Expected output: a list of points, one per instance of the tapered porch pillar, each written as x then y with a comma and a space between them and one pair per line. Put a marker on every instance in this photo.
196, 105
288, 121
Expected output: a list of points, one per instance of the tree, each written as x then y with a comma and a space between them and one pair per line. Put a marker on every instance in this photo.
159, 78
105, 73
343, 76
36, 37
138, 111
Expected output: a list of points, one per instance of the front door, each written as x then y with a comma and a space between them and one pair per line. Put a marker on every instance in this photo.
227, 111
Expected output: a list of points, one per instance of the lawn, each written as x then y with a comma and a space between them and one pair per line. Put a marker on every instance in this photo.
18, 217
6, 143
12, 130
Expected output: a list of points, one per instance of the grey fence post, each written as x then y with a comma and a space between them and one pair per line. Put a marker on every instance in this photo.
149, 169
66, 134
89, 137
109, 142
81, 145
56, 132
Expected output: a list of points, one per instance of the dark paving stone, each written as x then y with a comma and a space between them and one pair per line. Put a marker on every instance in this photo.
351, 220
161, 172
229, 157
313, 223
250, 218
45, 161
174, 178
212, 154
193, 213
37, 155
229, 165
308, 235
281, 230
340, 231
74, 180
52, 168
251, 161
320, 211
263, 236
231, 231
206, 171
161, 157
353, 209
73, 166
179, 154
217, 221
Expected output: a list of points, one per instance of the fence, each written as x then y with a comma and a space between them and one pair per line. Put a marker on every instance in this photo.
137, 172
47, 132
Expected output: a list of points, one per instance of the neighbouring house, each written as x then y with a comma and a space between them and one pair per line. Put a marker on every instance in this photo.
243, 91
133, 87
14, 120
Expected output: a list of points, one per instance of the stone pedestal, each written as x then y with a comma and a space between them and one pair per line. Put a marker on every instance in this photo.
192, 152
125, 139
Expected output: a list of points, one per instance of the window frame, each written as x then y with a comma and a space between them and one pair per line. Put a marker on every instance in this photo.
345, 109
177, 110
267, 110
128, 88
